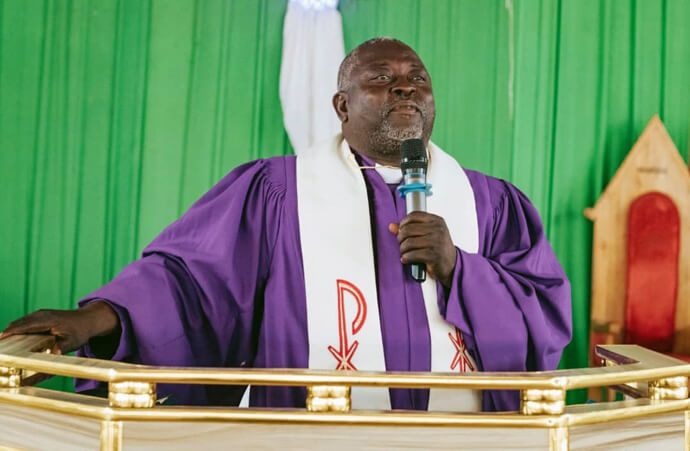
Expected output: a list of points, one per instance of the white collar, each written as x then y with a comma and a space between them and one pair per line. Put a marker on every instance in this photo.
389, 175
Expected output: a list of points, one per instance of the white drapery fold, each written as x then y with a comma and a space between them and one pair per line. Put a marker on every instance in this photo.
313, 48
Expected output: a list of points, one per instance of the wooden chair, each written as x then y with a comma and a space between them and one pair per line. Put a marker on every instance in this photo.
641, 251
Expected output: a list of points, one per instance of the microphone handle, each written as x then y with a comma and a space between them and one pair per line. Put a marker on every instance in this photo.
418, 271
416, 201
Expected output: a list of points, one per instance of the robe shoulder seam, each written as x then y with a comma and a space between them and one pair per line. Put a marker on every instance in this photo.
280, 191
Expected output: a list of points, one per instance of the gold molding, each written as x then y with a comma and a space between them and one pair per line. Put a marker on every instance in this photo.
111, 435
132, 394
559, 439
542, 402
325, 398
634, 364
669, 388
97, 408
10, 377
687, 430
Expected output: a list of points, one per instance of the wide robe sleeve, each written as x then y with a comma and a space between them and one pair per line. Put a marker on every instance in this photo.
195, 296
511, 300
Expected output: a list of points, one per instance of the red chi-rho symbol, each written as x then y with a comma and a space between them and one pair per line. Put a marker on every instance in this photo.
460, 360
346, 352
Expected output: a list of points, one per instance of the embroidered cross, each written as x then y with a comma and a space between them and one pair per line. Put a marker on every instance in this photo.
461, 359
344, 356
346, 352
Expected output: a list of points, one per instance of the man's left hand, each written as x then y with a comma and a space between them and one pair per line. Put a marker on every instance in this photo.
424, 238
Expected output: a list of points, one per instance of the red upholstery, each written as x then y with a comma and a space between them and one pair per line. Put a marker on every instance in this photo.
652, 272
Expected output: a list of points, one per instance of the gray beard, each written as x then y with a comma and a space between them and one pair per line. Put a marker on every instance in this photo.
387, 139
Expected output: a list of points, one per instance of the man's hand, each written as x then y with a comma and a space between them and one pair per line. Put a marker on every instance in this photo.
424, 238
72, 328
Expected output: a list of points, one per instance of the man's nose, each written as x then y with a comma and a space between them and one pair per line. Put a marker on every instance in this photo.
403, 89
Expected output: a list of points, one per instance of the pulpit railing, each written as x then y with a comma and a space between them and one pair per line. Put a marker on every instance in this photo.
658, 383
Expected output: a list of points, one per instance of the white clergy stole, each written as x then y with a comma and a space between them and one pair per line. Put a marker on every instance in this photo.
342, 303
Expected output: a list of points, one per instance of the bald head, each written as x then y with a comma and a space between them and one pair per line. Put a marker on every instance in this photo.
352, 59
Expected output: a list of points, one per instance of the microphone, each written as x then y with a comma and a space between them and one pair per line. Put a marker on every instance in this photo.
413, 163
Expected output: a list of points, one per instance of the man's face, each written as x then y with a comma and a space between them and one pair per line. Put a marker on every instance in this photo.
389, 100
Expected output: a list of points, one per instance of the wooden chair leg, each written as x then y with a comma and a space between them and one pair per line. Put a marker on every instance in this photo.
594, 394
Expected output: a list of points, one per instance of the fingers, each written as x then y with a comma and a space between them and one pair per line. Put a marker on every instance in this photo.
40, 321
69, 327
420, 217
424, 238
421, 231
422, 255
416, 230
56, 348
419, 223
413, 243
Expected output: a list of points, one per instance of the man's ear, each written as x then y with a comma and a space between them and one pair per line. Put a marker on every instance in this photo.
340, 105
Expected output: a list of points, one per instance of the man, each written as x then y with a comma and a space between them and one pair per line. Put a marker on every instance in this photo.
301, 262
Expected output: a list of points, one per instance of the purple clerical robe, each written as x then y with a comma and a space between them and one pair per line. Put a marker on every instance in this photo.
223, 286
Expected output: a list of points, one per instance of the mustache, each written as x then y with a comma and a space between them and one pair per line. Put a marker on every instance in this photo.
390, 106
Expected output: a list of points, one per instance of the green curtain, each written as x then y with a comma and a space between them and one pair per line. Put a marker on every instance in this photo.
549, 94
115, 115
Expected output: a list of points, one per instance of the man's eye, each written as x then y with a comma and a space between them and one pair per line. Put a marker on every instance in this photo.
382, 77
418, 78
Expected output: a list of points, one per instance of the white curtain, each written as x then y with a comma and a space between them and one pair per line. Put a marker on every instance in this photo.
313, 48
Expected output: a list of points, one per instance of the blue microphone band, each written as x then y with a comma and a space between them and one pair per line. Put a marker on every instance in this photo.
404, 190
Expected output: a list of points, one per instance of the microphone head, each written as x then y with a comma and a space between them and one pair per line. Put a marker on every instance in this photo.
413, 155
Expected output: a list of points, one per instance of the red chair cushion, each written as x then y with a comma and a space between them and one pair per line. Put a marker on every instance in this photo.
652, 277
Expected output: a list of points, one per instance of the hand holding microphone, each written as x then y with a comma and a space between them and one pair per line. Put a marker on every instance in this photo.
424, 238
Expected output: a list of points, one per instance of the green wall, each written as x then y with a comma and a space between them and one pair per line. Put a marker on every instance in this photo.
116, 114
